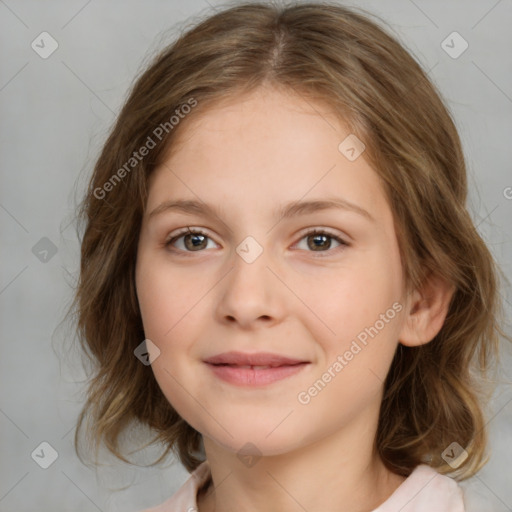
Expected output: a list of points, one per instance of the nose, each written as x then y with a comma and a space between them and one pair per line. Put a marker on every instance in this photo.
251, 294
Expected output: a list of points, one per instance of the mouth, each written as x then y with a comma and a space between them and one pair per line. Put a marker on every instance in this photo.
254, 369
253, 360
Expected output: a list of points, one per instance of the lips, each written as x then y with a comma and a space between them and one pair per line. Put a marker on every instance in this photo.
250, 370
259, 360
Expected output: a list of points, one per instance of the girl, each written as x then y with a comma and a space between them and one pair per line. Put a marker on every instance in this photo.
279, 275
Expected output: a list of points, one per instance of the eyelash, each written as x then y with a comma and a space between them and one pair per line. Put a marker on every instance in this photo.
197, 231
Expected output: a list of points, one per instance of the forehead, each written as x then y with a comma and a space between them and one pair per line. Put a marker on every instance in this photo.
246, 112
269, 146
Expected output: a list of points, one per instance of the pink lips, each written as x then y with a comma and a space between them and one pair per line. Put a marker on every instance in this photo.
253, 369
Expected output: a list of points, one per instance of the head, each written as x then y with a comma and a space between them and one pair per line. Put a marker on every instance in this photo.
252, 109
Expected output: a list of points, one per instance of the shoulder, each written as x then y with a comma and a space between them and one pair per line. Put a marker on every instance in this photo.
425, 490
185, 498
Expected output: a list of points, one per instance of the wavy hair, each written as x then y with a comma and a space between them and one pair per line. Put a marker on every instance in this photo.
337, 55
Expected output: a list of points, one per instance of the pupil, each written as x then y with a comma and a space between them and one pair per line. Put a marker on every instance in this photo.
319, 238
196, 240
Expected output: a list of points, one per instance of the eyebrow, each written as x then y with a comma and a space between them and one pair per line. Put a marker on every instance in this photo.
286, 211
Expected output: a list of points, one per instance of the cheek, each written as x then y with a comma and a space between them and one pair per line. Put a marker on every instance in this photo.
360, 318
165, 296
173, 307
168, 313
344, 303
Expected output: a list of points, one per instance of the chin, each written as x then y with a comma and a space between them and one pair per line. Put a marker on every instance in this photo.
253, 440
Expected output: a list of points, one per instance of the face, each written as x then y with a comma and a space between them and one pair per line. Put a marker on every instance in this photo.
320, 286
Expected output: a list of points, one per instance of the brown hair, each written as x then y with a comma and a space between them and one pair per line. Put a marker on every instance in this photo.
339, 56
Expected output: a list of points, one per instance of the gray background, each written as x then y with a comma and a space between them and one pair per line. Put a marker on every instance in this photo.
56, 112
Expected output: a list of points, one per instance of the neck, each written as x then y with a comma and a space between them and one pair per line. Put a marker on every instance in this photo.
338, 472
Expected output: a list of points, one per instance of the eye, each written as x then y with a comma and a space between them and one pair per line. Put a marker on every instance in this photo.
320, 240
194, 240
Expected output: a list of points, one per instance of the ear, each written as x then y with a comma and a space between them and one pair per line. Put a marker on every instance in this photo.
426, 311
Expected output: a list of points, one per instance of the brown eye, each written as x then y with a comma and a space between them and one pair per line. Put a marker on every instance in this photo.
189, 241
321, 241
317, 242
194, 241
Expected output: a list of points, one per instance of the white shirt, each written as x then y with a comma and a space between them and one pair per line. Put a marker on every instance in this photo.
424, 490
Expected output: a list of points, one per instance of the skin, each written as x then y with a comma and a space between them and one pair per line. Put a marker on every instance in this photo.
247, 156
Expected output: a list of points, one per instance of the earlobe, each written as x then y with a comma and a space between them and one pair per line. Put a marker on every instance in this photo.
427, 311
